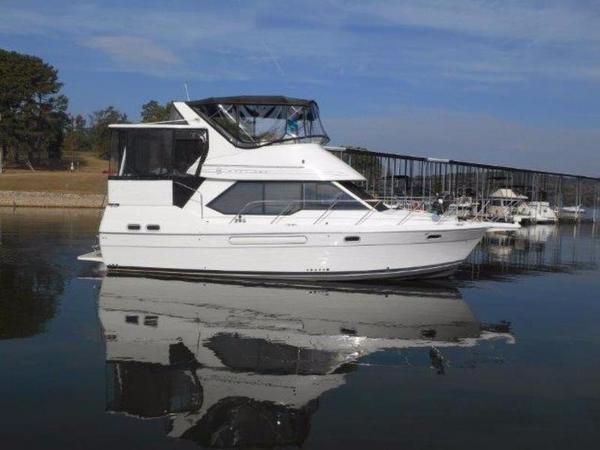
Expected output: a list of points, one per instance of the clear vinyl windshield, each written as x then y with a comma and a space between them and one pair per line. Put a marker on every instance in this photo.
256, 125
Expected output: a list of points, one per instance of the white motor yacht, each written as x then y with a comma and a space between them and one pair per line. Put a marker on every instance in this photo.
243, 187
504, 205
537, 213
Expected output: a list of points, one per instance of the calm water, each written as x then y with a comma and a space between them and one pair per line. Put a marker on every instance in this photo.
504, 356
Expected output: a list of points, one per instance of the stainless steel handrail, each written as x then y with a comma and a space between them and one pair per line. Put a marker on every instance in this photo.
335, 200
369, 212
287, 204
283, 211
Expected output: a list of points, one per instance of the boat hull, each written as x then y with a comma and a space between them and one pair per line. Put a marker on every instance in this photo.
436, 271
538, 221
571, 214
316, 256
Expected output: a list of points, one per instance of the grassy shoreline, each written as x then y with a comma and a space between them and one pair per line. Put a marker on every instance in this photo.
87, 179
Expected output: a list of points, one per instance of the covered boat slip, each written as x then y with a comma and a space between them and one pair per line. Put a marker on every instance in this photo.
415, 180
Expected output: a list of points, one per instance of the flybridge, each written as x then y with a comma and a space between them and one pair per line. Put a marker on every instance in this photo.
192, 144
256, 121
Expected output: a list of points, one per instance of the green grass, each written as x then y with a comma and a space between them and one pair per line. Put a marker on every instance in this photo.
88, 179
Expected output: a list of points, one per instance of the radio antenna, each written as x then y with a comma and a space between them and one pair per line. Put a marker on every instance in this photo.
187, 94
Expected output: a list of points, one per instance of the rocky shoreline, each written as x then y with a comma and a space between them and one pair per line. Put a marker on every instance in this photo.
51, 199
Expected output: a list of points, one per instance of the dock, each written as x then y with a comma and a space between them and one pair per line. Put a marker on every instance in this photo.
400, 176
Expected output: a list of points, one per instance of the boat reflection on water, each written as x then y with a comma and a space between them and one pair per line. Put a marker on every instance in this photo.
536, 234
533, 249
238, 365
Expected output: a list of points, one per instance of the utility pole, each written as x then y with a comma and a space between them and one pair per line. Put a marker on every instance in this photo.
1, 151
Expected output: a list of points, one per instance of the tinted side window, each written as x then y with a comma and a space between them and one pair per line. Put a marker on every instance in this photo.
239, 195
282, 197
319, 195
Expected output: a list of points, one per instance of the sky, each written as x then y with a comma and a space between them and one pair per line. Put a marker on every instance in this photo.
508, 82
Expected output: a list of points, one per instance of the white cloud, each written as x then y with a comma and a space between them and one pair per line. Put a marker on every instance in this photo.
132, 50
469, 42
548, 21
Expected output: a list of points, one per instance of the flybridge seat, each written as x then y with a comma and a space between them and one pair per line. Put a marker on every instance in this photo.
256, 121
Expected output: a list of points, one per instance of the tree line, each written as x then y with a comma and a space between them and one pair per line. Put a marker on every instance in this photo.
92, 133
35, 125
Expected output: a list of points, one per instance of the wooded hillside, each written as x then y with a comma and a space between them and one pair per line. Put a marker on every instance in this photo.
36, 130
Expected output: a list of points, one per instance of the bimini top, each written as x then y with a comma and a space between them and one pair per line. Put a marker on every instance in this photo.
255, 121
253, 100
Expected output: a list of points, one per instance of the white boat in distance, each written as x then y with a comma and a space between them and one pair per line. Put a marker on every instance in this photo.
571, 213
504, 204
537, 213
508, 206
243, 187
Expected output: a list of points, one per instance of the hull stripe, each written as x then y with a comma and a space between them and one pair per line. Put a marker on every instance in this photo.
438, 270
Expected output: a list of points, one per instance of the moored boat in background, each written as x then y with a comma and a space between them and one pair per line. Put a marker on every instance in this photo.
537, 213
571, 213
504, 206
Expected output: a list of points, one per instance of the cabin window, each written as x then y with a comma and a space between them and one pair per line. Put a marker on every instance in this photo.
242, 194
318, 195
151, 153
279, 194
282, 197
